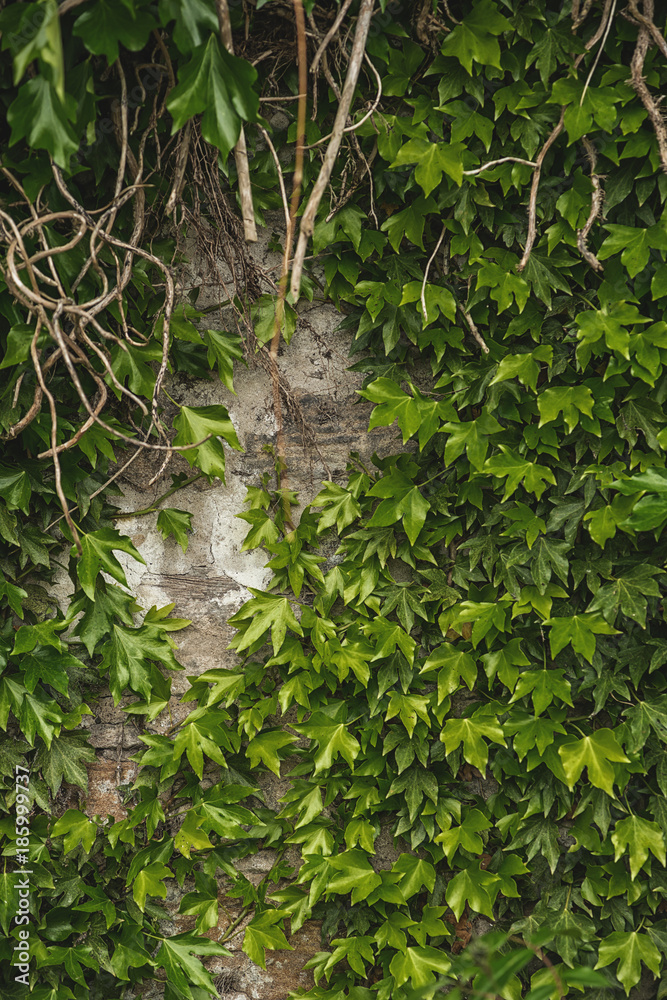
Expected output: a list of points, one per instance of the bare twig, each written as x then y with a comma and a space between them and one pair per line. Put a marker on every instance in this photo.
532, 202
329, 35
496, 163
240, 150
450, 15
281, 179
69, 5
639, 83
647, 22
363, 168
179, 173
608, 23
119, 472
596, 206
553, 135
308, 218
473, 329
356, 125
578, 17
428, 267
280, 100
297, 180
54, 447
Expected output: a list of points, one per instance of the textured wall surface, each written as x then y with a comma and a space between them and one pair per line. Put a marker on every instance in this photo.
209, 583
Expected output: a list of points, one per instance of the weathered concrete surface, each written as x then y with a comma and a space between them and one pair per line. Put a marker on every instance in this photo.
209, 582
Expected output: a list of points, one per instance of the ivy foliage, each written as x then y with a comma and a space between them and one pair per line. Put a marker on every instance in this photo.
478, 676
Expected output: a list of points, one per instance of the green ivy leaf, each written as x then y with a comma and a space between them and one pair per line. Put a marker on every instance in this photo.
264, 748
32, 31
171, 521
219, 87
475, 888
333, 738
149, 882
543, 686
108, 24
470, 732
340, 507
568, 400
97, 554
263, 933
466, 836
402, 501
40, 116
627, 593
352, 874
419, 965
631, 949
474, 38
454, 665
195, 20
415, 874
223, 350
66, 758
518, 470
190, 838
580, 630
633, 244
595, 752
638, 836
433, 159
473, 437
262, 613
76, 829
127, 653
177, 957
194, 424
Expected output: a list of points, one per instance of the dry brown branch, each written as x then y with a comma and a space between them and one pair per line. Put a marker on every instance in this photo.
54, 447
638, 82
496, 163
596, 207
607, 14
373, 108
42, 304
297, 180
427, 269
364, 167
532, 202
421, 21
179, 173
578, 17
648, 23
116, 475
281, 179
308, 218
35, 407
607, 19
240, 150
473, 329
167, 59
280, 100
69, 5
329, 35
451, 16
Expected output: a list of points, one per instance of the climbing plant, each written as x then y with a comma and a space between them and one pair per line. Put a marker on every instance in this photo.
478, 675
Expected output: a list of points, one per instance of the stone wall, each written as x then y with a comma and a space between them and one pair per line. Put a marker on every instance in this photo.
209, 582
